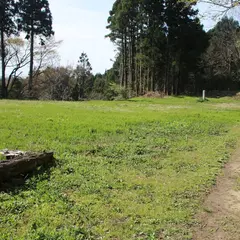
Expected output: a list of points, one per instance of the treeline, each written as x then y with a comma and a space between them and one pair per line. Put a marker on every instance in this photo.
74, 84
65, 83
51, 81
31, 17
162, 47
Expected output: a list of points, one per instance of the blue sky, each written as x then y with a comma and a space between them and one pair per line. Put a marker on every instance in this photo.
81, 24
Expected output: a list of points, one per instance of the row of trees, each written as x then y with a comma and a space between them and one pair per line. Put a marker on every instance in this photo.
159, 42
216, 69
162, 47
32, 17
220, 63
17, 60
53, 82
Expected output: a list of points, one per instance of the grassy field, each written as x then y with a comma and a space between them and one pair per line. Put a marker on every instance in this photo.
135, 169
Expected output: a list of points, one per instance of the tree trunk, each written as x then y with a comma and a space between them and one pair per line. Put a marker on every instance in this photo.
30, 83
125, 61
136, 77
152, 81
130, 70
148, 79
140, 78
22, 165
122, 64
4, 90
133, 58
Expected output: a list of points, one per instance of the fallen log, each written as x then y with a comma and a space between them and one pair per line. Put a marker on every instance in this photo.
11, 154
24, 164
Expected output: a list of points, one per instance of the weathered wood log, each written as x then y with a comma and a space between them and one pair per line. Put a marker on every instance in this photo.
23, 164
11, 154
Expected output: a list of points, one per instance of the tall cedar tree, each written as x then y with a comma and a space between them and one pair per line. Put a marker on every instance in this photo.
83, 77
35, 18
7, 27
186, 40
153, 38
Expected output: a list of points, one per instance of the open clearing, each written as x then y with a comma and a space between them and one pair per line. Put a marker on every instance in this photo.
136, 169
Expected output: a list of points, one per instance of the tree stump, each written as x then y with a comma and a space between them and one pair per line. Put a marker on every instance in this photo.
22, 164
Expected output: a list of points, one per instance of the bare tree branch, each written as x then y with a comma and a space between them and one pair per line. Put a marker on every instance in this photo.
18, 57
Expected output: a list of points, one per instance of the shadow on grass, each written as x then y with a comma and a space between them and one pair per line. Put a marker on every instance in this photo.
18, 183
220, 94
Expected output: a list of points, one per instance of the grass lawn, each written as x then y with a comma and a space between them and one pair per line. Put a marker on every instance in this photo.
135, 169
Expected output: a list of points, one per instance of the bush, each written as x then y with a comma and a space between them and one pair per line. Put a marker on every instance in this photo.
115, 92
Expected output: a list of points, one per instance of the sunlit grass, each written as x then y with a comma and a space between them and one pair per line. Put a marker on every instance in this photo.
133, 169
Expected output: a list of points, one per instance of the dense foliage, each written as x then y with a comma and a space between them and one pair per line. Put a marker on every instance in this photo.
35, 18
7, 27
30, 16
161, 47
162, 44
221, 61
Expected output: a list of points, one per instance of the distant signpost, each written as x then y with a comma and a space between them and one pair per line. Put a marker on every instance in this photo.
204, 95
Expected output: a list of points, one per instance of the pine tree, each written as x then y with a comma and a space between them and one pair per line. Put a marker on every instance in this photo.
151, 36
7, 27
83, 77
35, 19
222, 58
154, 39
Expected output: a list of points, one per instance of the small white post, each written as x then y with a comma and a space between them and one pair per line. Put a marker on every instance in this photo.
203, 95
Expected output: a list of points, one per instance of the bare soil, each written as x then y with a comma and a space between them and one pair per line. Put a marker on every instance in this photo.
220, 217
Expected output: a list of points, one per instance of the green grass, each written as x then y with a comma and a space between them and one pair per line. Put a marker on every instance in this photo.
133, 169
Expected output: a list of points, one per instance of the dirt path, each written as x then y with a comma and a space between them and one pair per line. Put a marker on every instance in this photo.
220, 218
